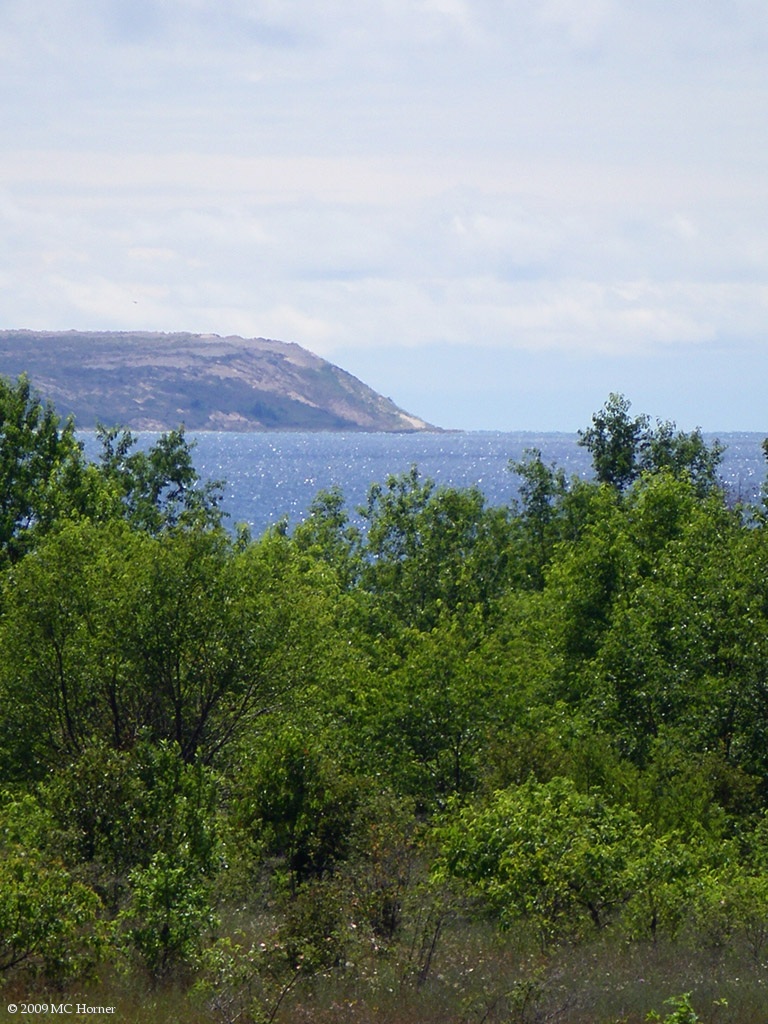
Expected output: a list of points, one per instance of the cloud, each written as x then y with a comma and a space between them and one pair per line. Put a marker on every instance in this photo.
583, 21
574, 178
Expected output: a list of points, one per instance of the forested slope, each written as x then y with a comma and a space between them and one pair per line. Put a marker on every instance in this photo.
462, 763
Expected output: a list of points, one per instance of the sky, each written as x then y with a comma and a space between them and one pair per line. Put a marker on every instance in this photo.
496, 212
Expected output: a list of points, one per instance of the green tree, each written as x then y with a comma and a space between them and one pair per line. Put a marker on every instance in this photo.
297, 805
327, 535
617, 442
49, 920
583, 582
160, 487
624, 446
665, 875
46, 479
169, 914
542, 491
40, 460
427, 723
545, 852
429, 549
685, 649
111, 811
685, 455
113, 634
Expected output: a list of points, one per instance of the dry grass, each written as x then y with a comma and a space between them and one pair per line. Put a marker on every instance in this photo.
476, 977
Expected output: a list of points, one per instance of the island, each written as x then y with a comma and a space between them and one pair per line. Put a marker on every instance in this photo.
147, 380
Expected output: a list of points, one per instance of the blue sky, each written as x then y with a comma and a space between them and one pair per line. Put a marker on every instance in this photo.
495, 212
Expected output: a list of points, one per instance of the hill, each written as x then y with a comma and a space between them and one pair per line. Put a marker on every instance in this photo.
155, 381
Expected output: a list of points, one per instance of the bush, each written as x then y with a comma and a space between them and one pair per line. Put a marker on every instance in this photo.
168, 914
546, 852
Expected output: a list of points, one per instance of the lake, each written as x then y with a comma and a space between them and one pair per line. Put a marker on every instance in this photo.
272, 475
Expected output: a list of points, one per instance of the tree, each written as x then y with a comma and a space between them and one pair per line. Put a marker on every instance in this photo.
686, 649
428, 550
114, 810
160, 487
327, 535
38, 458
427, 723
46, 479
543, 489
111, 633
623, 447
296, 803
617, 442
168, 914
49, 920
685, 455
546, 852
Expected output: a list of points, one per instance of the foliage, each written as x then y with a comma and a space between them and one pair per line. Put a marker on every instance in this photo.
664, 871
297, 804
429, 719
546, 852
328, 536
45, 478
617, 442
318, 761
623, 447
40, 461
112, 812
160, 487
116, 634
49, 921
168, 913
543, 492
682, 1011
427, 549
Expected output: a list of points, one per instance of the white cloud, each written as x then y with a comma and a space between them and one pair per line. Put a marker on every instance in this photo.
585, 178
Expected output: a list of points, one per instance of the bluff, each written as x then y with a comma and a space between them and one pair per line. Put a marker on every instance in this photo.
155, 381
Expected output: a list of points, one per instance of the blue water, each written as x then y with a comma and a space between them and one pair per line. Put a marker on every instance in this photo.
270, 476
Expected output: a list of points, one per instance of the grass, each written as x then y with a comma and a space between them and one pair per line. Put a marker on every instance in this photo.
476, 976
